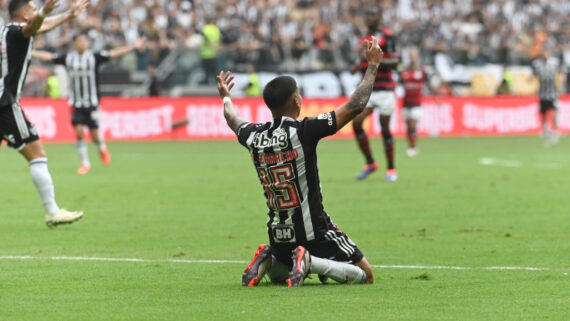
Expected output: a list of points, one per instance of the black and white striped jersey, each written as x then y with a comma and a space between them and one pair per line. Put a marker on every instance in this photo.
284, 154
546, 72
83, 76
14, 62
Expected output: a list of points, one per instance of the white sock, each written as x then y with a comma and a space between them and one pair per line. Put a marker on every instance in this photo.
102, 145
338, 271
545, 132
44, 184
81, 147
278, 272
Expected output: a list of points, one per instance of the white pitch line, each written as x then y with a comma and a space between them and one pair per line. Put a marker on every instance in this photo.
138, 260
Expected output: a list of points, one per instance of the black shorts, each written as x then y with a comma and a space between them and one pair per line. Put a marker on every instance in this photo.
334, 245
548, 104
88, 116
15, 128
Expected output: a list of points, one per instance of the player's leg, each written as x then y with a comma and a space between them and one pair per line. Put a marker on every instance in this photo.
363, 143
82, 151
544, 118
23, 137
412, 115
102, 146
387, 106
97, 137
555, 135
334, 244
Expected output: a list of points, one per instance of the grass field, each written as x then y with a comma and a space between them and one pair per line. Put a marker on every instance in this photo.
444, 239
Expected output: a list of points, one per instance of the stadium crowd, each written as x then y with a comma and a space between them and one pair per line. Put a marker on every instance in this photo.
297, 35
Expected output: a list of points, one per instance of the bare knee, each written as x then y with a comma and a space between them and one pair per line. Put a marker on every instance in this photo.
33, 150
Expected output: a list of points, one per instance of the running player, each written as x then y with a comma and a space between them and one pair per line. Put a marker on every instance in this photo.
15, 128
545, 69
382, 97
83, 69
284, 155
413, 80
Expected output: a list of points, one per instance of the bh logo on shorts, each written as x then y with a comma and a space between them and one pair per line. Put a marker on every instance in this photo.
283, 233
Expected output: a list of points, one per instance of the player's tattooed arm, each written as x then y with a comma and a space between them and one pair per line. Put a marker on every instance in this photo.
225, 85
359, 98
50, 23
33, 26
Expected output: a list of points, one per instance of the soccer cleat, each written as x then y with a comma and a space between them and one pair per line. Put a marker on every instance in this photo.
412, 152
391, 175
301, 266
83, 169
62, 217
368, 169
105, 157
256, 269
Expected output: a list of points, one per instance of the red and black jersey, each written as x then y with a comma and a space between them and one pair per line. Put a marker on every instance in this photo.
284, 155
413, 81
387, 41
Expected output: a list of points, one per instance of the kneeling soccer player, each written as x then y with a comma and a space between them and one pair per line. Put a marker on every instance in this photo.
284, 155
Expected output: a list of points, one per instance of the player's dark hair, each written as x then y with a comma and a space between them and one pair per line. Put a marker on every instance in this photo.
15, 5
278, 91
79, 34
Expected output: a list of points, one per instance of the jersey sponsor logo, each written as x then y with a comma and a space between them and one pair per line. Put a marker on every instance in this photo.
283, 233
326, 116
279, 139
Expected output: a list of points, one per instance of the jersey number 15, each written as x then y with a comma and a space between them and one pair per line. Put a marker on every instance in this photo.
278, 185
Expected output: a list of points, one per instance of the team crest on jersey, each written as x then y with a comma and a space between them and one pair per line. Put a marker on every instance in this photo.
327, 116
279, 139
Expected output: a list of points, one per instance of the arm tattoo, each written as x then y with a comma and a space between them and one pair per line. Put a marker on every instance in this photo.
232, 117
360, 97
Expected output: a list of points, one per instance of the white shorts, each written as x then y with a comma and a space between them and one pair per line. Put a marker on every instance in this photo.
412, 113
385, 101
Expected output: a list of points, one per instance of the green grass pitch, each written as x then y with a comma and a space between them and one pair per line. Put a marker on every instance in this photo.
178, 205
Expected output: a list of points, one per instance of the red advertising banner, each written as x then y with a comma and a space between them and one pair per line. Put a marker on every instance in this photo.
156, 118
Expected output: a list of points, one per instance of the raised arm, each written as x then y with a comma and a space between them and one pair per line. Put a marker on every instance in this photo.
225, 85
359, 98
43, 55
74, 10
35, 23
121, 51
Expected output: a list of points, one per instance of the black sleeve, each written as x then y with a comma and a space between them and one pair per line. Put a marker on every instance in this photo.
244, 131
314, 128
15, 33
59, 59
103, 56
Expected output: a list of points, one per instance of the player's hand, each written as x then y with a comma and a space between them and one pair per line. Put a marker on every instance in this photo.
225, 84
49, 5
77, 7
374, 53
